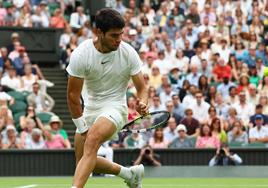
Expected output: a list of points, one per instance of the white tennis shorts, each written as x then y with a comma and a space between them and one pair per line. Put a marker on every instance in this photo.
117, 115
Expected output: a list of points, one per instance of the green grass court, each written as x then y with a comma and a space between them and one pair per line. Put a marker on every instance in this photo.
65, 182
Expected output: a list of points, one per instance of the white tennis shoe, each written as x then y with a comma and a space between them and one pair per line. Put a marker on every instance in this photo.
137, 175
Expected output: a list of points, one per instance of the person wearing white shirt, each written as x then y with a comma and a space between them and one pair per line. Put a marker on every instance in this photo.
224, 50
11, 79
187, 100
199, 107
243, 108
194, 76
78, 18
157, 105
166, 95
163, 65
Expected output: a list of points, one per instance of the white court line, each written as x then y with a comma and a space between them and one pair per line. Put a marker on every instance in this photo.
166, 185
27, 186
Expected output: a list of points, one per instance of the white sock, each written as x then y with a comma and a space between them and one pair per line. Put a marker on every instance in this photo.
125, 173
73, 187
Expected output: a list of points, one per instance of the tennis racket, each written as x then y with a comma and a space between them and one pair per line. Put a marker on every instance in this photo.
147, 122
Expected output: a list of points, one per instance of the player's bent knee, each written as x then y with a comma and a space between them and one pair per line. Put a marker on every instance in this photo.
93, 142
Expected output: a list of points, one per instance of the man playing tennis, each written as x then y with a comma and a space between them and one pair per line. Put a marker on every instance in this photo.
100, 71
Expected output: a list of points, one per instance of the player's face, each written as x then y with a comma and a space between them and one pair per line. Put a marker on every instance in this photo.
112, 38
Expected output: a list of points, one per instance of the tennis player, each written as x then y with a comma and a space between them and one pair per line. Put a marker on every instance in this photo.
100, 71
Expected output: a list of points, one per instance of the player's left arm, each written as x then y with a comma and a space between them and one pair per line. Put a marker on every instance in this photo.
142, 93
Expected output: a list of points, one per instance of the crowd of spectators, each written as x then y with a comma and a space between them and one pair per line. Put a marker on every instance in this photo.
203, 61
26, 117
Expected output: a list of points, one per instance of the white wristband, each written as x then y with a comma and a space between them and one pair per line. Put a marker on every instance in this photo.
81, 124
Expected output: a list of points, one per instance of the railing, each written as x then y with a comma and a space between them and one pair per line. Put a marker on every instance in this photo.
62, 162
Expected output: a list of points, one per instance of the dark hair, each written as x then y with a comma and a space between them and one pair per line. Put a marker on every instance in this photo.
216, 120
108, 18
202, 132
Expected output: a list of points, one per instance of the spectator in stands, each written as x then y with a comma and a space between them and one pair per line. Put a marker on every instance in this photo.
44, 13
243, 108
182, 140
10, 140
264, 102
36, 140
224, 157
30, 114
232, 97
170, 109
78, 18
192, 124
58, 20
15, 37
169, 132
156, 106
258, 111
253, 96
6, 117
147, 157
166, 94
263, 86
158, 140
26, 133
28, 78
189, 92
132, 113
237, 134
199, 107
10, 17
134, 140
224, 86
11, 79
221, 68
25, 18
218, 131
18, 61
56, 128
206, 139
37, 18
259, 133
178, 107
42, 102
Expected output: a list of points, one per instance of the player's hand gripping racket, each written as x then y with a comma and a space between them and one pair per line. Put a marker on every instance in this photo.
147, 122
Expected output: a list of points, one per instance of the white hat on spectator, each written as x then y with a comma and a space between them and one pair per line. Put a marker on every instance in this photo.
43, 3
55, 119
181, 127
10, 127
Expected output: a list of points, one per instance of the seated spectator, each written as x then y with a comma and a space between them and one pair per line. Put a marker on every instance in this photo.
45, 14
178, 107
206, 140
10, 140
166, 94
170, 131
191, 124
78, 18
6, 117
264, 102
52, 141
56, 128
58, 20
42, 102
155, 77
26, 133
232, 98
217, 130
11, 80
224, 157
182, 141
10, 17
36, 140
158, 140
199, 107
258, 111
37, 18
170, 109
28, 78
231, 119
25, 18
156, 106
147, 157
132, 113
18, 61
220, 68
237, 134
259, 133
134, 140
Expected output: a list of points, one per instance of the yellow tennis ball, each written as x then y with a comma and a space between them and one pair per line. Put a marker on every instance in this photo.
265, 71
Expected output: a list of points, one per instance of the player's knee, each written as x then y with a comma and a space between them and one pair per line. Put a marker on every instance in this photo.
93, 142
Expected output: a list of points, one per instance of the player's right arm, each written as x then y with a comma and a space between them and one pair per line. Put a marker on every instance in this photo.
76, 70
74, 89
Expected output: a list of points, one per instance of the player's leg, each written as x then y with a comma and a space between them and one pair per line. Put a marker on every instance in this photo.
79, 141
100, 131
